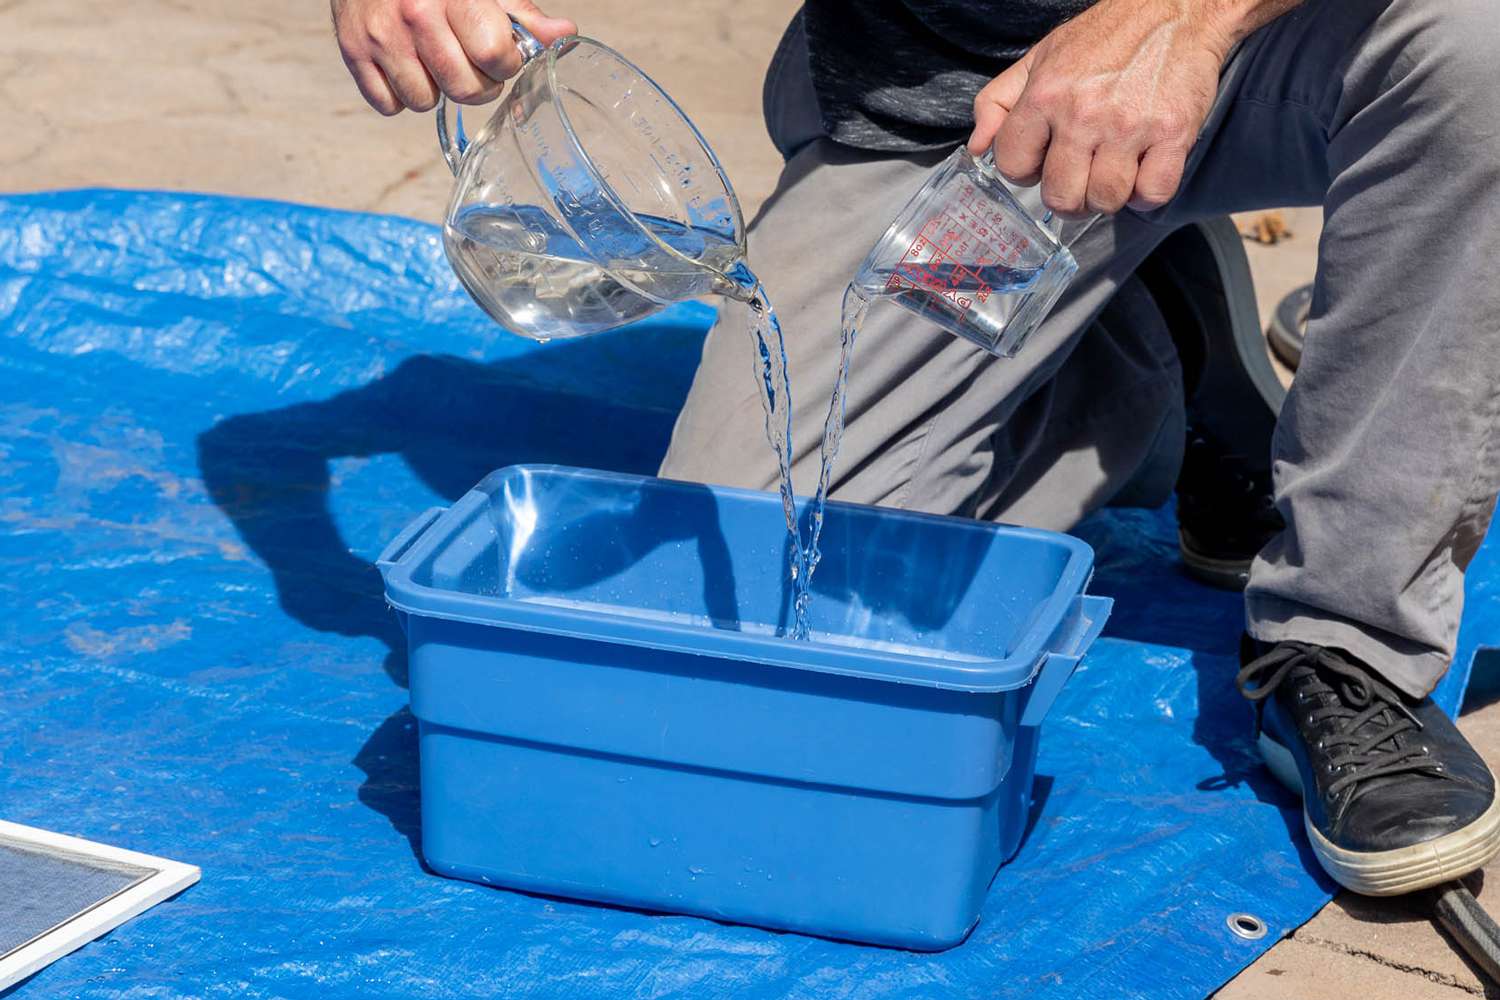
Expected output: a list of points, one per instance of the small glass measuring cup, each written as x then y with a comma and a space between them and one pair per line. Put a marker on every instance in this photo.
966, 254
588, 200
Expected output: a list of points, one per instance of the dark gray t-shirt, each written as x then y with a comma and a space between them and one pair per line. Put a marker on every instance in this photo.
902, 74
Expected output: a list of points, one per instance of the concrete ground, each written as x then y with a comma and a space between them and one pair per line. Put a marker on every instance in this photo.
251, 99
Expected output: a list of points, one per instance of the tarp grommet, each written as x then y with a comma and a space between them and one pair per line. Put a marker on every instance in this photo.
1246, 925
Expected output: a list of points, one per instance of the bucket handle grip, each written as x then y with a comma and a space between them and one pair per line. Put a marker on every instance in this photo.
394, 552
1057, 667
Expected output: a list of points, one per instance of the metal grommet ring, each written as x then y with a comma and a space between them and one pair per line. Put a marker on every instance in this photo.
1246, 925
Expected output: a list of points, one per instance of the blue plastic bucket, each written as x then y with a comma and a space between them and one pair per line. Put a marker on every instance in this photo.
608, 709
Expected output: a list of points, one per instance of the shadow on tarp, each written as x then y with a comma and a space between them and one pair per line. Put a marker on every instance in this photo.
452, 421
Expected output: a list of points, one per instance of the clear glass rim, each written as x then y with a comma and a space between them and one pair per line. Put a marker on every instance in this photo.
560, 48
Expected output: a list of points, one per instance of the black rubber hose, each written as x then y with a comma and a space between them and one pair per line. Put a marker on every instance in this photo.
1474, 930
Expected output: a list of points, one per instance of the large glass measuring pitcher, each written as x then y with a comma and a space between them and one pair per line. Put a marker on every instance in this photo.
968, 255
588, 199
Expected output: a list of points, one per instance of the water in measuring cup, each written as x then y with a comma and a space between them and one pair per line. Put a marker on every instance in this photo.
534, 276
979, 295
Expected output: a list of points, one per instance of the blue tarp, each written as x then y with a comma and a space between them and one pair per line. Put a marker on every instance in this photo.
214, 412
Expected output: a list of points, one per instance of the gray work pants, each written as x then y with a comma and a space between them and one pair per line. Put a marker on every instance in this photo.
1386, 112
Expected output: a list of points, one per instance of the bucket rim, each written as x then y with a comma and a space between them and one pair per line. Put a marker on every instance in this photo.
1048, 625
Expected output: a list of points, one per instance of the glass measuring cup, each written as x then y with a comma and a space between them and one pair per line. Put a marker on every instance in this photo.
588, 200
966, 254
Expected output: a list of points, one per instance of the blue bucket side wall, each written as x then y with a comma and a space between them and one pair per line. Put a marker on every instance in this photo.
734, 716
834, 863
837, 806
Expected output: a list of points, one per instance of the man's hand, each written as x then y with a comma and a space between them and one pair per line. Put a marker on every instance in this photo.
1104, 109
402, 53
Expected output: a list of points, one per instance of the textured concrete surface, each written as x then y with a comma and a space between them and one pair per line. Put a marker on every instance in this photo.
251, 99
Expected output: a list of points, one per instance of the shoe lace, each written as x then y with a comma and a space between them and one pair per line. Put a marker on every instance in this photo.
1370, 717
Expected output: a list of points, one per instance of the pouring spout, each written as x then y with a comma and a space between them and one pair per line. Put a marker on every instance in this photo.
731, 289
736, 282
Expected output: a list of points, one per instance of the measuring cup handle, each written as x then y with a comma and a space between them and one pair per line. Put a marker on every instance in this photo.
1049, 221
453, 147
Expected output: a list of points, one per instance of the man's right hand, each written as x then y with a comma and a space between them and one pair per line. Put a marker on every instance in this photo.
403, 53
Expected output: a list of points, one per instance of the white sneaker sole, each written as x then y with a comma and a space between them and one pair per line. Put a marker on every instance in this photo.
1404, 869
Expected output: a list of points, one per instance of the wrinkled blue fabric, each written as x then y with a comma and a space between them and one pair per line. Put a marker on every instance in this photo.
213, 414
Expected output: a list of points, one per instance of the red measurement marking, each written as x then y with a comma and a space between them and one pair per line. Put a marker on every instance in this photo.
949, 251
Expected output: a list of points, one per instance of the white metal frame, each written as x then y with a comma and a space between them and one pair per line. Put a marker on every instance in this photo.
167, 879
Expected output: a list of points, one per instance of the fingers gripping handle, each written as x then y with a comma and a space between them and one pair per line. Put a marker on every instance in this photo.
525, 41
453, 146
1049, 221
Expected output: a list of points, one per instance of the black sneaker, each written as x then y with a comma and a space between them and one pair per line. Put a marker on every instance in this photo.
1225, 512
1393, 797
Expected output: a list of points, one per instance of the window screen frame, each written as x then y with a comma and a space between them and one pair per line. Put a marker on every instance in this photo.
166, 879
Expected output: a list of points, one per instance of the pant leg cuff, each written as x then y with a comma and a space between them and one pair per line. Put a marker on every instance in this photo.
1412, 669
